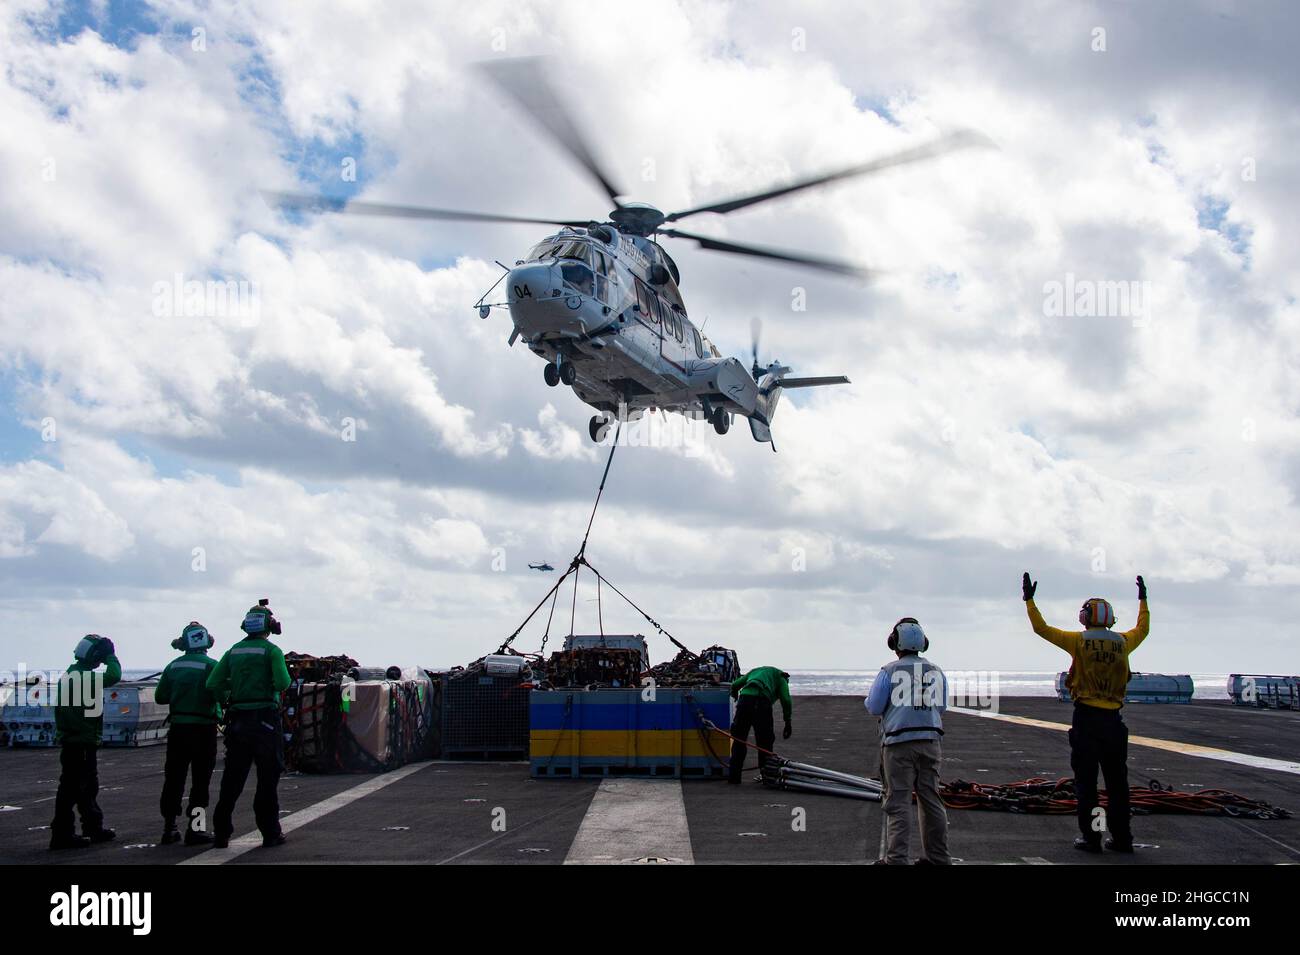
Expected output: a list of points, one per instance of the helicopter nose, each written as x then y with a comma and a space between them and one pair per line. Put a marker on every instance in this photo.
541, 304
532, 282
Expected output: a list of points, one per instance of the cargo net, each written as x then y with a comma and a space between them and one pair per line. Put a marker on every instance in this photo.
484, 713
594, 666
712, 667
311, 669
1040, 796
319, 723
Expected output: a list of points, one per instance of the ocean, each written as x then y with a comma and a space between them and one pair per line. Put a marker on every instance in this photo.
1208, 686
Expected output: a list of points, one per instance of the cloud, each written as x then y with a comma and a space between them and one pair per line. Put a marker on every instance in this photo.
347, 435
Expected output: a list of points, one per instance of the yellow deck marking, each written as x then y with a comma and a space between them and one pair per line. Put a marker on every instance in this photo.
1172, 746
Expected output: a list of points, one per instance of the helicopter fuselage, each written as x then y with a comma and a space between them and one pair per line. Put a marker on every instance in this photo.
607, 304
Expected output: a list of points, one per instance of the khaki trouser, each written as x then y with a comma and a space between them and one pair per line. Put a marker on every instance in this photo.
905, 767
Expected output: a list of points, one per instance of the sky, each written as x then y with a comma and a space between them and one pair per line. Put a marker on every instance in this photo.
345, 436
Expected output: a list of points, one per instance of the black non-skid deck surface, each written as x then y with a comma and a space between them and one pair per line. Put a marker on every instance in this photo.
465, 812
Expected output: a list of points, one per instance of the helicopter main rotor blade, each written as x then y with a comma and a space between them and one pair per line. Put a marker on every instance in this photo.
310, 203
798, 258
525, 80
961, 139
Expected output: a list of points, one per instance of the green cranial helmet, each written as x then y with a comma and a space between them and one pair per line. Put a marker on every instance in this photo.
259, 621
92, 649
195, 636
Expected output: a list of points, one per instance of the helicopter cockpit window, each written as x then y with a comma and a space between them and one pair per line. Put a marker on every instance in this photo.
575, 250
577, 277
602, 275
545, 250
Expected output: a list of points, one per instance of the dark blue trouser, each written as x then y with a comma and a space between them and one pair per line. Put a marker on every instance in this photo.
192, 751
79, 788
756, 713
1099, 739
253, 738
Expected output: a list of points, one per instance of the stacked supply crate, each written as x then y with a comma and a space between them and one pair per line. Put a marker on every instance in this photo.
485, 712
649, 732
368, 725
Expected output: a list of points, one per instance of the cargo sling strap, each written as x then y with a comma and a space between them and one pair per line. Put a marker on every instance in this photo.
579, 561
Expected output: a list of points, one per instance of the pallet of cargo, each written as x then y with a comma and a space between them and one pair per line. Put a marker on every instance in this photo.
484, 715
628, 731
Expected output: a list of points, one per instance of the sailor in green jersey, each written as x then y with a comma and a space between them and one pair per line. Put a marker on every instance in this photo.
755, 692
79, 721
248, 682
192, 738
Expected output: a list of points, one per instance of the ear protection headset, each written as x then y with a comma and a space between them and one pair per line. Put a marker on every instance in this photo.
85, 650
194, 637
259, 620
1097, 612
908, 635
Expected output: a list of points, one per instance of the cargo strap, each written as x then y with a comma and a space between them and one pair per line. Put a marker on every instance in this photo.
579, 561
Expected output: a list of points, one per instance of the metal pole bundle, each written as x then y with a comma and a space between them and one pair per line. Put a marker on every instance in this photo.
787, 774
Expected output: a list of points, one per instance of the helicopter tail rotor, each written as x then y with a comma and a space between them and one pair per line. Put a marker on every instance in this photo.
771, 384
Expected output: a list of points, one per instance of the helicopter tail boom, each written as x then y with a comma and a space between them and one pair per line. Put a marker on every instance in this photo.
770, 387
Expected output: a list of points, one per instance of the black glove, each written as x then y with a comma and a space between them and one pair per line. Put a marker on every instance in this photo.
785, 734
1028, 587
1142, 588
104, 649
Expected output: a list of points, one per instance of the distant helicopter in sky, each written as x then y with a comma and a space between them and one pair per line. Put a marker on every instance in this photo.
544, 567
599, 301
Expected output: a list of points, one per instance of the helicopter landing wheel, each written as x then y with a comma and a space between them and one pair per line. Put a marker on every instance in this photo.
721, 421
598, 428
568, 374
551, 374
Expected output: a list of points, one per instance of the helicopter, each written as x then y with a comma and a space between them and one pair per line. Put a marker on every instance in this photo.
599, 301
543, 567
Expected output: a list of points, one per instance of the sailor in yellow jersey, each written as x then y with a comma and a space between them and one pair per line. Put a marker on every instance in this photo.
1098, 679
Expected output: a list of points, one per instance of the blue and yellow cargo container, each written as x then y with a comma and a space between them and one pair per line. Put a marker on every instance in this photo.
577, 732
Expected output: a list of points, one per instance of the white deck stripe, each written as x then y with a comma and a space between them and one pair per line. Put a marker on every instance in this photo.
633, 819
296, 820
1172, 746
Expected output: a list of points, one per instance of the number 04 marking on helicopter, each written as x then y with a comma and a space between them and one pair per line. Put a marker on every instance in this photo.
599, 301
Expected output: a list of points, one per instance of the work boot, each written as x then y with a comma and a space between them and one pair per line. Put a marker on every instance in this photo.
220, 841
70, 841
270, 842
1084, 844
102, 835
170, 833
1120, 845
195, 838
